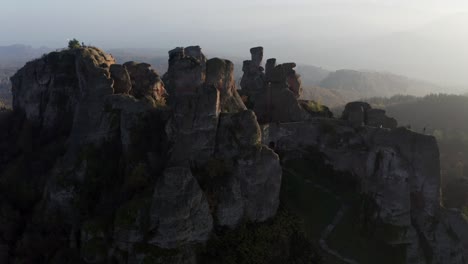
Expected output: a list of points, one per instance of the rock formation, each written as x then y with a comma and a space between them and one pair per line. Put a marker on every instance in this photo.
99, 164
360, 113
397, 172
120, 173
273, 95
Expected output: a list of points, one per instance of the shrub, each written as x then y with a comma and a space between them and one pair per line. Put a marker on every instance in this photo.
74, 44
315, 106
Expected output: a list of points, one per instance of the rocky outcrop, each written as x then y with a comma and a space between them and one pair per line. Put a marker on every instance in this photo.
122, 81
146, 82
273, 95
128, 177
250, 173
220, 74
214, 110
398, 173
186, 72
178, 195
104, 171
360, 113
253, 80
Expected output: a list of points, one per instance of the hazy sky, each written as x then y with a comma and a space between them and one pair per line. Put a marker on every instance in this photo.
329, 33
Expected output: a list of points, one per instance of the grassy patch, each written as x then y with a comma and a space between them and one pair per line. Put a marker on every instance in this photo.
315, 106
280, 240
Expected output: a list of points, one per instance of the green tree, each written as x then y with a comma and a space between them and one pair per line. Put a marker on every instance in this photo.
74, 44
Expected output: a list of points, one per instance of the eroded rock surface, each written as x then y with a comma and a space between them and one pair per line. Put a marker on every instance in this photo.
176, 196
104, 171
273, 94
360, 113
398, 172
122, 176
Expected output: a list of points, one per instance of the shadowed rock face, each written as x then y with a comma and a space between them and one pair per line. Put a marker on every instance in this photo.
176, 196
208, 114
145, 82
122, 81
95, 168
124, 173
398, 170
360, 113
273, 95
186, 72
220, 74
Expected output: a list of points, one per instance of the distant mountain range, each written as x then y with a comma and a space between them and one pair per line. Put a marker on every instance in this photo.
15, 55
343, 86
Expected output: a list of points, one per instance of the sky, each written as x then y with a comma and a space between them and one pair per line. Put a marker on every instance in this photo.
382, 35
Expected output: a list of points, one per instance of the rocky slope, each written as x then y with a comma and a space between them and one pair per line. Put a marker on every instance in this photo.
109, 163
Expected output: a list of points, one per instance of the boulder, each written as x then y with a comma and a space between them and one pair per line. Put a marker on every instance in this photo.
378, 118
361, 113
146, 82
122, 81
356, 113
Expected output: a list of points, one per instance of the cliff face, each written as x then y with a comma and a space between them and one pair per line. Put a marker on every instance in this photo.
396, 170
121, 173
108, 163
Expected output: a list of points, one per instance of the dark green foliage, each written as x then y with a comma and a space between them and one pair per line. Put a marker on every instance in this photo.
281, 240
355, 238
315, 192
74, 44
315, 106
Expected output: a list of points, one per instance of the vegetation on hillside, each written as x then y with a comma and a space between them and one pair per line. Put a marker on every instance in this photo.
368, 84
316, 193
74, 44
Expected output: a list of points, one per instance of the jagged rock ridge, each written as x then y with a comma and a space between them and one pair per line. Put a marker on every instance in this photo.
114, 164
127, 172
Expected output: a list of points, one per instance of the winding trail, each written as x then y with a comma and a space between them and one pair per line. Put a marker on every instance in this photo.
329, 229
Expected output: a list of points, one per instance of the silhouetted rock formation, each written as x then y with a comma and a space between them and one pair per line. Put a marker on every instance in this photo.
360, 113
96, 167
273, 95
397, 172
202, 130
124, 170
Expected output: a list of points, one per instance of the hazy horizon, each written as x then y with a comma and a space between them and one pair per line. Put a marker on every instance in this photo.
426, 40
